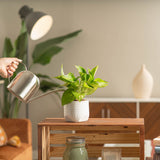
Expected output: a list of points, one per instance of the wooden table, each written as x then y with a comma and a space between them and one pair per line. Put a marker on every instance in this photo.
52, 133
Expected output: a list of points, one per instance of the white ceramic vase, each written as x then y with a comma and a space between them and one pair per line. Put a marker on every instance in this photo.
76, 111
142, 84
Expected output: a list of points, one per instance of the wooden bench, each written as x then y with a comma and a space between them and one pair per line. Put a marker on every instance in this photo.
52, 133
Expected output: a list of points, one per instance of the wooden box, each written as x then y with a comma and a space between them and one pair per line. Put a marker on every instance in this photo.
52, 133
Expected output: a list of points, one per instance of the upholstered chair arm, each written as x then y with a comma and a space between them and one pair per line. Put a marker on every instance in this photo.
19, 127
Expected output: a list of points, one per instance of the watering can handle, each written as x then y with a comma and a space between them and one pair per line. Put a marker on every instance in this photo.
24, 67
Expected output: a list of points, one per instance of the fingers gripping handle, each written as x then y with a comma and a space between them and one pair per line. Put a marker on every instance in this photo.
24, 67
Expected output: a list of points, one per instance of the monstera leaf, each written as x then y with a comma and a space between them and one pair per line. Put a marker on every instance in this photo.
21, 44
8, 48
44, 51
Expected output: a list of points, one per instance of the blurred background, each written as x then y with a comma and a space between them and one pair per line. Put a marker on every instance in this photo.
119, 36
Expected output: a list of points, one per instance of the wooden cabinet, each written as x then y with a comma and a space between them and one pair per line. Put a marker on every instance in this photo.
112, 110
149, 109
151, 114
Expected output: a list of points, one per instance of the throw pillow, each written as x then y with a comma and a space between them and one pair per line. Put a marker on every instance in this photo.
15, 141
3, 137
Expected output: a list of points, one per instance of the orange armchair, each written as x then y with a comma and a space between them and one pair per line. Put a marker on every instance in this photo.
21, 128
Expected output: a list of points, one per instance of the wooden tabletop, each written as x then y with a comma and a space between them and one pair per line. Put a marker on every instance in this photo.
94, 121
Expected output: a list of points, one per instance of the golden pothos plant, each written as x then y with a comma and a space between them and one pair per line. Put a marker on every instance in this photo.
77, 88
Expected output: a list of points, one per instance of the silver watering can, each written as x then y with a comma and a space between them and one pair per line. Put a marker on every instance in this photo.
25, 85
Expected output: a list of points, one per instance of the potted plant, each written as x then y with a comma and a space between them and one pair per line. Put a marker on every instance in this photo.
76, 108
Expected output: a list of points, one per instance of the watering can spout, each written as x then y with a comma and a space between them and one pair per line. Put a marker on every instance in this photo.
42, 95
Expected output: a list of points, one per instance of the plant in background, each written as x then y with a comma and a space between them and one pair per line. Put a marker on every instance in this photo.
80, 86
42, 54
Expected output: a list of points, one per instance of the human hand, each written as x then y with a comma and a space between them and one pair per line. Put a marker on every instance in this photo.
8, 66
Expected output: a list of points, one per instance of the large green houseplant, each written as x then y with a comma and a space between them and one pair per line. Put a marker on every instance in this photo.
76, 109
42, 54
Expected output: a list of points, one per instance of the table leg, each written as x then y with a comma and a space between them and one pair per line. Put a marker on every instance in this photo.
47, 139
39, 142
45, 143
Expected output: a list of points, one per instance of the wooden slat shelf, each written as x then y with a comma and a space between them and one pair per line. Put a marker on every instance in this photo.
94, 121
97, 132
92, 138
96, 151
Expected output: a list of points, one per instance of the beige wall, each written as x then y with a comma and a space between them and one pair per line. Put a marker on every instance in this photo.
118, 36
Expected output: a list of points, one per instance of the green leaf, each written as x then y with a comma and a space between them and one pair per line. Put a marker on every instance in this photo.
23, 27
56, 40
84, 77
85, 85
67, 78
42, 48
73, 85
43, 76
80, 69
90, 79
82, 72
91, 91
93, 71
101, 83
78, 96
45, 56
21, 45
62, 72
8, 48
48, 85
6, 101
60, 39
67, 97
87, 89
15, 108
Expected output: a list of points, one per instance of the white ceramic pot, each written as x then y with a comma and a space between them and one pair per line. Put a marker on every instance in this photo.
76, 111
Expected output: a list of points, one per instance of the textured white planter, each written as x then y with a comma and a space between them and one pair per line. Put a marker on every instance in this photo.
76, 111
143, 84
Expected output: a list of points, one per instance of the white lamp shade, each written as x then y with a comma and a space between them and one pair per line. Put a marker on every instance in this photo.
38, 23
41, 27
